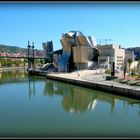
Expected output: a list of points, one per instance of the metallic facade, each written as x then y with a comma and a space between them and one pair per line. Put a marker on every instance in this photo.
77, 48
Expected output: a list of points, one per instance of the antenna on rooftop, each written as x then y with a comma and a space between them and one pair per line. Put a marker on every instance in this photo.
103, 40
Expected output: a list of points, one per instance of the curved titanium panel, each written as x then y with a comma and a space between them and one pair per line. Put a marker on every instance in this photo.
63, 63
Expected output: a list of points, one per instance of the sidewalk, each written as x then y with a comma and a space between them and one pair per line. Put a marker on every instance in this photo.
93, 80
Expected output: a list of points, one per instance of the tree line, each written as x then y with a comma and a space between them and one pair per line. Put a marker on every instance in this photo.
8, 62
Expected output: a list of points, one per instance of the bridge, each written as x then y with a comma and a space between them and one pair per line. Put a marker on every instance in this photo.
30, 56
30, 59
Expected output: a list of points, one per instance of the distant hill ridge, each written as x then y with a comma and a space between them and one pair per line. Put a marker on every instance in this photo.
13, 49
134, 48
136, 52
16, 49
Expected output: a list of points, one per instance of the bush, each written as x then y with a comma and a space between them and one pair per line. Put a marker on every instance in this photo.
133, 72
111, 77
108, 71
10, 62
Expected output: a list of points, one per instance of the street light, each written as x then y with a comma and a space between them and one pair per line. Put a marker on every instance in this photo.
28, 48
33, 54
28, 54
33, 48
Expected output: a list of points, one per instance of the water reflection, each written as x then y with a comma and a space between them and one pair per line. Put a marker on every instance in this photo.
32, 84
31, 87
76, 99
11, 76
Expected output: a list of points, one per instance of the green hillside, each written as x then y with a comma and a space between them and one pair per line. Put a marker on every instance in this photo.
11, 49
136, 52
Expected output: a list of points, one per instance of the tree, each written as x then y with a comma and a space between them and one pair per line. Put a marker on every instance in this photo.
124, 68
129, 62
8, 63
41, 61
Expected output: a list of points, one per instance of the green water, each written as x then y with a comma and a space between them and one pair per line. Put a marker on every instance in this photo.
36, 106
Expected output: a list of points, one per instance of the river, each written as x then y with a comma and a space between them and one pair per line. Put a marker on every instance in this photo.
32, 106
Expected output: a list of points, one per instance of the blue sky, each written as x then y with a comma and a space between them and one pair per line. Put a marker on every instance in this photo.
41, 22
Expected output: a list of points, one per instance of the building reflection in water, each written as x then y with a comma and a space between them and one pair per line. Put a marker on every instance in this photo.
31, 87
74, 99
77, 99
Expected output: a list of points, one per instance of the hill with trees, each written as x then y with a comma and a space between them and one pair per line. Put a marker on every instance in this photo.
11, 49
136, 52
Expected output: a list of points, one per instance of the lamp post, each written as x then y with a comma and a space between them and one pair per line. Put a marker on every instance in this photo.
33, 48
28, 54
33, 55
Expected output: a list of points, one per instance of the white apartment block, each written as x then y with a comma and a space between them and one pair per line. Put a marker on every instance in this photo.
111, 53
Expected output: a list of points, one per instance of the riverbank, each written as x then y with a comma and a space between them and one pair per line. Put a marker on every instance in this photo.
37, 72
94, 80
97, 81
4, 69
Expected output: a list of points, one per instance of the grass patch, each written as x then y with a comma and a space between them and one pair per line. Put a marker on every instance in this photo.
123, 80
131, 82
138, 84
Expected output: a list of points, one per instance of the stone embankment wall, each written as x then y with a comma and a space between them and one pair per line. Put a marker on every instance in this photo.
110, 88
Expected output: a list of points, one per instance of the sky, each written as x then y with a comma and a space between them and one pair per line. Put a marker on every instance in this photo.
44, 21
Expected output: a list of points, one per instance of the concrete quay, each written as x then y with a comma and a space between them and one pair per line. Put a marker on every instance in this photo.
93, 80
37, 72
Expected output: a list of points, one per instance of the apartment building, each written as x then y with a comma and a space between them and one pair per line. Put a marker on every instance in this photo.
111, 53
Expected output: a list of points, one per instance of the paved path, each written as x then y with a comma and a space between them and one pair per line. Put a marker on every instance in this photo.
94, 77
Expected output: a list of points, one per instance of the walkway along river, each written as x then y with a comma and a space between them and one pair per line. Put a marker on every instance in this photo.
36, 106
92, 80
99, 84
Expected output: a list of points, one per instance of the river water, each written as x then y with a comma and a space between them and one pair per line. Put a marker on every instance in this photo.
32, 106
